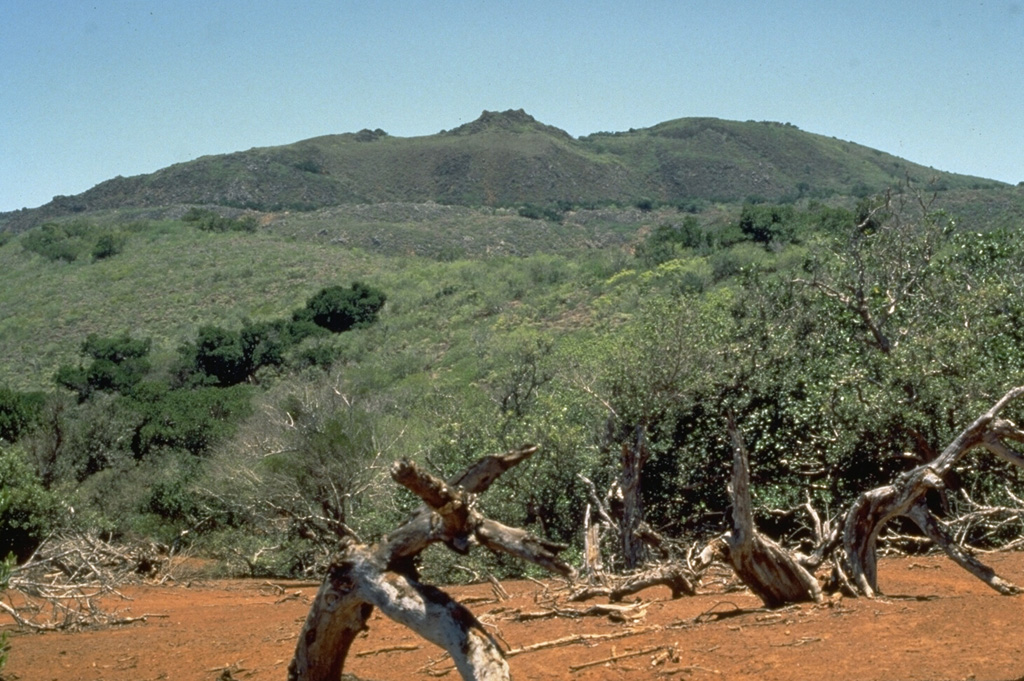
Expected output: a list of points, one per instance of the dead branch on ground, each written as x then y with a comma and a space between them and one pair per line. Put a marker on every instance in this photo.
770, 571
59, 586
681, 580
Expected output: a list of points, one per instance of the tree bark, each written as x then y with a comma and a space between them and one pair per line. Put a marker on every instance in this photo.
592, 548
383, 576
770, 571
874, 508
634, 552
354, 586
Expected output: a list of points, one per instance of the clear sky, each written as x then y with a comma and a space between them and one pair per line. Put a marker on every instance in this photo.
94, 89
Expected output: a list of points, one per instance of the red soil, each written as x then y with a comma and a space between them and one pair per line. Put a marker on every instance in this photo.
936, 622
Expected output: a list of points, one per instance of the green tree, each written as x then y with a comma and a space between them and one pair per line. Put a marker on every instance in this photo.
265, 343
881, 269
107, 246
338, 309
28, 512
19, 411
666, 242
767, 223
865, 365
219, 355
118, 364
225, 357
60, 241
189, 419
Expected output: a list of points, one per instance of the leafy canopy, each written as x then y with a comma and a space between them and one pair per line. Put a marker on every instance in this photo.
338, 309
118, 364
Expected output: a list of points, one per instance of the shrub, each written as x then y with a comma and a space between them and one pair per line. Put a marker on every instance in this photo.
302, 325
192, 420
19, 411
107, 246
338, 309
208, 221
220, 355
534, 212
118, 364
225, 357
172, 500
765, 223
65, 242
28, 512
320, 355
666, 240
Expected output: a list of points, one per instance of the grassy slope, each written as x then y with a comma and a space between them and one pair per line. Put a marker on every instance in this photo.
171, 279
508, 158
730, 160
164, 285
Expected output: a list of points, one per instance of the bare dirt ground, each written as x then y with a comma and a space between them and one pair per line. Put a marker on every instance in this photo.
935, 622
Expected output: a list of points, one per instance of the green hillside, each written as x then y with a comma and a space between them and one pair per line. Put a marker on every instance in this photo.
165, 371
509, 159
171, 278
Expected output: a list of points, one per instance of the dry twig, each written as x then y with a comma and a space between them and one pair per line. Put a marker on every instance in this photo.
61, 582
614, 658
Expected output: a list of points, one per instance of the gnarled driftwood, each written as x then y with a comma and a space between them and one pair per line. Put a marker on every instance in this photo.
384, 576
874, 508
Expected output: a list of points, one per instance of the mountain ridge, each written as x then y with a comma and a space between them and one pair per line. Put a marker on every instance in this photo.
510, 158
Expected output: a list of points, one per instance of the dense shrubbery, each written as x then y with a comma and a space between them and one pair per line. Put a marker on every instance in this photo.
338, 309
535, 212
209, 221
848, 344
69, 241
226, 357
19, 412
667, 242
117, 365
767, 223
28, 511
190, 420
131, 420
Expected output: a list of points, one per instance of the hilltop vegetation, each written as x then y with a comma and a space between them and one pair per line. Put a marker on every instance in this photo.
508, 159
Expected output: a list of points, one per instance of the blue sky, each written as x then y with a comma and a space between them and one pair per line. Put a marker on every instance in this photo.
91, 90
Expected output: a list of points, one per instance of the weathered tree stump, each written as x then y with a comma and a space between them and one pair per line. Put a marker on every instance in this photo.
363, 577
770, 571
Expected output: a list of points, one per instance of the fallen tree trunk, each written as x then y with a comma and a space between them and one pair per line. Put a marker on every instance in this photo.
905, 497
677, 578
770, 571
363, 577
